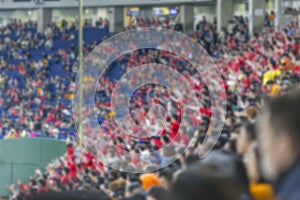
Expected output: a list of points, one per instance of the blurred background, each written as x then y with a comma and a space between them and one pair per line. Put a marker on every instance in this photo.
254, 44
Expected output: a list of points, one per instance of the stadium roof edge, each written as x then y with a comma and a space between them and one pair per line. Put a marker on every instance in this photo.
10, 4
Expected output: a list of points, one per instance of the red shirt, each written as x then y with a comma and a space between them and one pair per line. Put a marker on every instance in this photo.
158, 143
65, 179
296, 48
175, 126
206, 111
24, 187
247, 83
70, 150
72, 166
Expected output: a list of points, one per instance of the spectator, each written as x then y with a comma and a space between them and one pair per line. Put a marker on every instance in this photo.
279, 127
200, 182
157, 193
166, 178
149, 180
273, 88
246, 139
272, 18
234, 171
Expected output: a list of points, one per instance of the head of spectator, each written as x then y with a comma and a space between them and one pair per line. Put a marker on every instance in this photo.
134, 188
279, 141
157, 193
166, 178
228, 165
201, 181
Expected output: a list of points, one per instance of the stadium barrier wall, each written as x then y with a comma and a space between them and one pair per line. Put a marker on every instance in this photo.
19, 158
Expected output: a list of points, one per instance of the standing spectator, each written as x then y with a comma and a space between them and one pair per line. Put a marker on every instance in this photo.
272, 18
106, 23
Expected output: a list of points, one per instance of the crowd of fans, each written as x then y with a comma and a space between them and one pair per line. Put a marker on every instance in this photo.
28, 80
253, 70
99, 23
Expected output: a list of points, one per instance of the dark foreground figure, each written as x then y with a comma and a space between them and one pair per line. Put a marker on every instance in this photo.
80, 195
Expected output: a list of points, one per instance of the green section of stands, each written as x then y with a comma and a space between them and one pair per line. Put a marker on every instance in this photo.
20, 157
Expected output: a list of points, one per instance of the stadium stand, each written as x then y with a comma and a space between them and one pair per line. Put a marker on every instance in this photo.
38, 71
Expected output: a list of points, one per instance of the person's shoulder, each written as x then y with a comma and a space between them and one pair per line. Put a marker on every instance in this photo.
292, 195
290, 186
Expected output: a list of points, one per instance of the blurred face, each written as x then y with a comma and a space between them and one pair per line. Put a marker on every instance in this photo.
228, 122
276, 149
242, 142
164, 183
285, 87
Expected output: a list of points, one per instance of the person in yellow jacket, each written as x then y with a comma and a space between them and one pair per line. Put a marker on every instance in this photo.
271, 76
